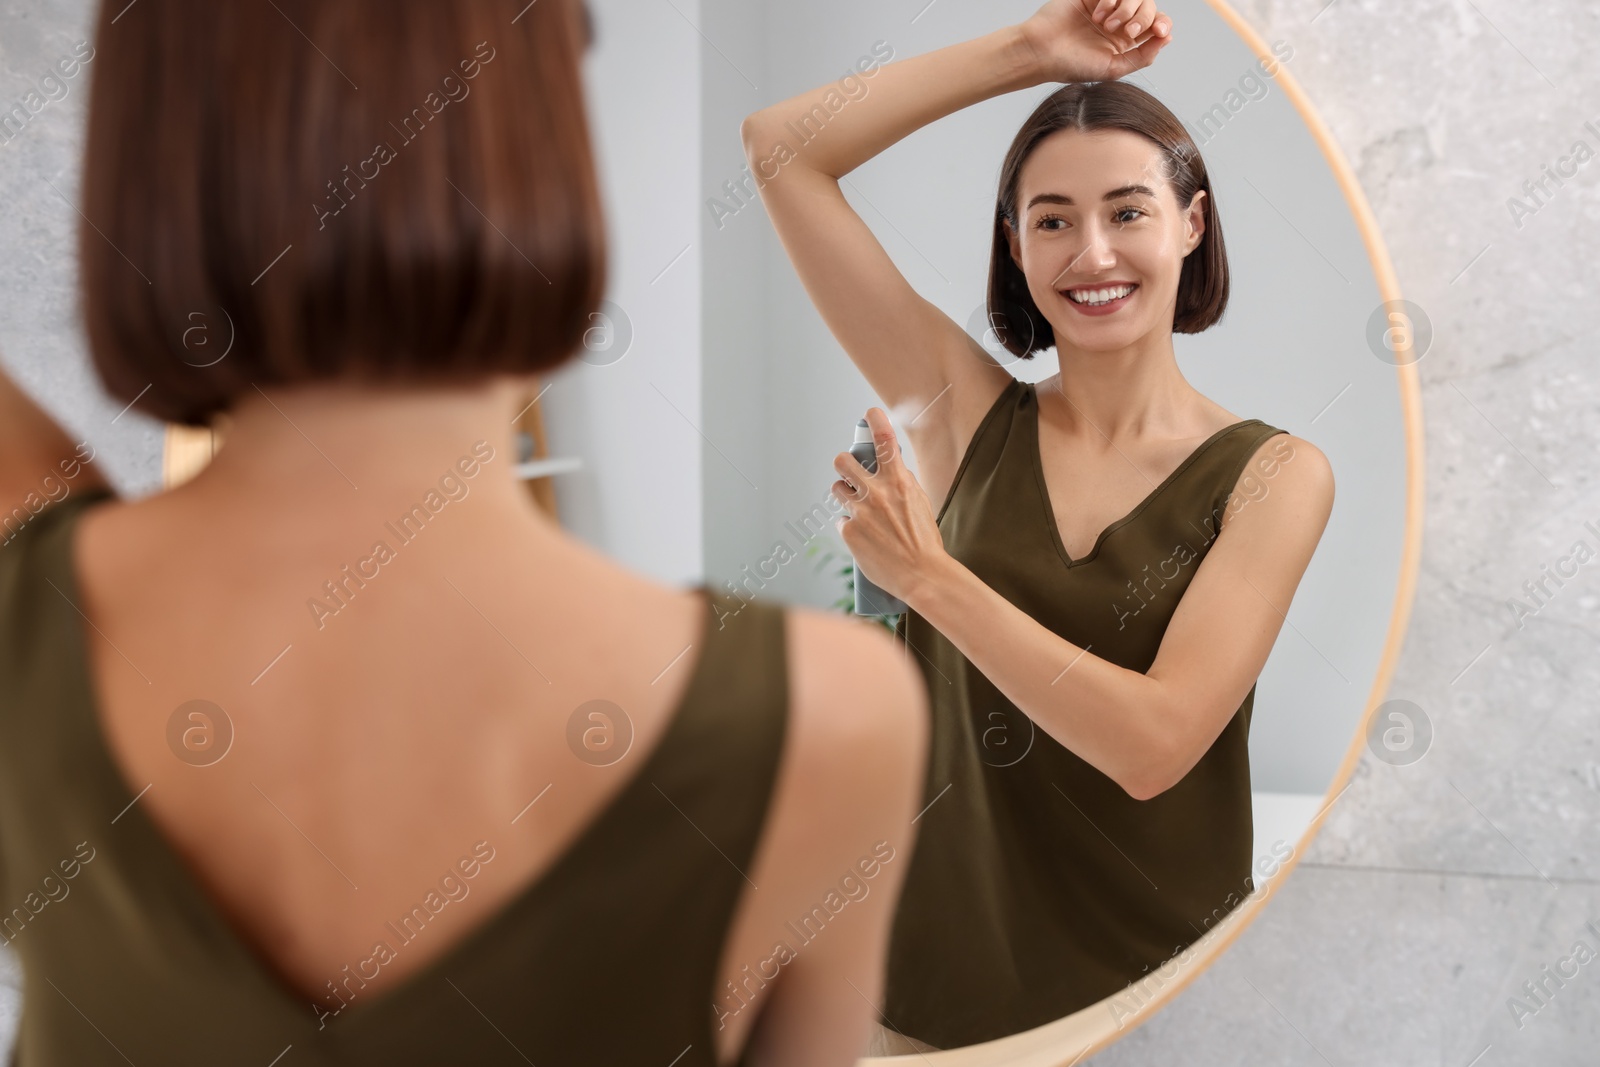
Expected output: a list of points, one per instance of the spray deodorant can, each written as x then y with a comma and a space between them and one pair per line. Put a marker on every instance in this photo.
870, 600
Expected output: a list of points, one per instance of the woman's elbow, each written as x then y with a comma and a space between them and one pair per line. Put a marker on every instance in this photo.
752, 133
1154, 771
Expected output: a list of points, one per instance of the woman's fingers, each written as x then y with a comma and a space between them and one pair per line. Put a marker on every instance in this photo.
1133, 16
1138, 19
1124, 11
851, 468
1138, 58
856, 482
1143, 19
854, 485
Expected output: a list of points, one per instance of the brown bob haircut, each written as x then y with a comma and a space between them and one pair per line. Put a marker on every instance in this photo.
386, 191
1107, 105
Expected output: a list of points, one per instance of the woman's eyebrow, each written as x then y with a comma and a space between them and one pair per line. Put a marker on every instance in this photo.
1120, 191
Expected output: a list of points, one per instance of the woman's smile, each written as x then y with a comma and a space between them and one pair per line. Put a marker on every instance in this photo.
1079, 298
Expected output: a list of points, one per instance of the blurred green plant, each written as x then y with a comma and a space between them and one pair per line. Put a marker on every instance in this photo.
846, 602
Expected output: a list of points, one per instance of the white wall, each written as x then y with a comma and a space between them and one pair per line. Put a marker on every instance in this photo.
637, 422
735, 349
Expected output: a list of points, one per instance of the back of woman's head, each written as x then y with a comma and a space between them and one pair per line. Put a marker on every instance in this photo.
391, 191
1108, 105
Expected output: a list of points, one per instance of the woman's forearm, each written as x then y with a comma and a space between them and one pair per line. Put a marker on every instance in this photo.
1109, 716
901, 98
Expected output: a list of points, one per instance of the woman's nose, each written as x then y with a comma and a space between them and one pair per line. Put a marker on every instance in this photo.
1096, 254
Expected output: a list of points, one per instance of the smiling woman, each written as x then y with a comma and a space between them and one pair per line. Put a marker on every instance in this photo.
1046, 882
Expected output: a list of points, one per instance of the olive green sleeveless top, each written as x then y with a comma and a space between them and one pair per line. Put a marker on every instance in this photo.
1038, 886
610, 956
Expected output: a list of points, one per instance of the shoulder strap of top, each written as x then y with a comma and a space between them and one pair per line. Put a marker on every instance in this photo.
1226, 463
719, 776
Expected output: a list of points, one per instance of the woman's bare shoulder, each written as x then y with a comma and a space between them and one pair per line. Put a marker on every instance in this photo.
853, 678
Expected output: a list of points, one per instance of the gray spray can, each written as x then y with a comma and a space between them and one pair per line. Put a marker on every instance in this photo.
870, 600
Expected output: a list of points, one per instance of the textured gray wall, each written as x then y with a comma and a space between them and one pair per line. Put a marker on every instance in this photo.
41, 339
1436, 890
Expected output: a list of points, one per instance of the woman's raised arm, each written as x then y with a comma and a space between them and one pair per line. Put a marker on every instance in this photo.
908, 350
904, 345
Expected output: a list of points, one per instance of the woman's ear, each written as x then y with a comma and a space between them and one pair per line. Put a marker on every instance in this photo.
1014, 244
1196, 219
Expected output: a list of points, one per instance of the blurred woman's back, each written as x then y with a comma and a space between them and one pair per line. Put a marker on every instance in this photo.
405, 652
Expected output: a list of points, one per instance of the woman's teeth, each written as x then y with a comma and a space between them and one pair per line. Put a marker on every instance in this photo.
1095, 297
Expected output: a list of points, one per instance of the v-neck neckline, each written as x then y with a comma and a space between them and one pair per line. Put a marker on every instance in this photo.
173, 872
1049, 508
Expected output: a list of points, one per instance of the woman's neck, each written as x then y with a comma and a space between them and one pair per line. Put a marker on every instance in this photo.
1129, 393
335, 450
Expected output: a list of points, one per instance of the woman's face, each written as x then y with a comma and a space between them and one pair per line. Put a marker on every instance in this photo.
1095, 211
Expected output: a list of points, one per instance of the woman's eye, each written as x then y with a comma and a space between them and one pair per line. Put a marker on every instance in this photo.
1121, 215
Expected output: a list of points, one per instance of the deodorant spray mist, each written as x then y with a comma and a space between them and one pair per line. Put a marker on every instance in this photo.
870, 600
